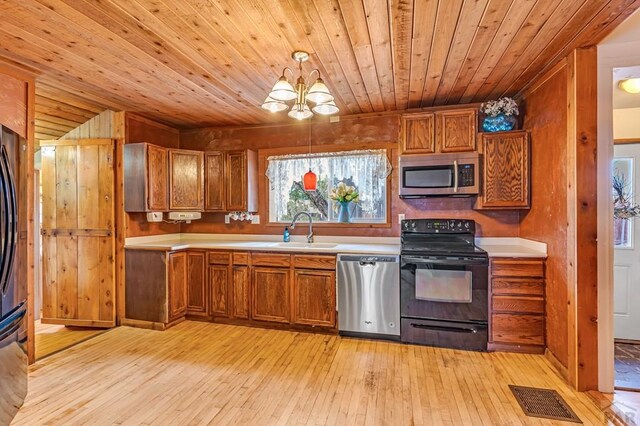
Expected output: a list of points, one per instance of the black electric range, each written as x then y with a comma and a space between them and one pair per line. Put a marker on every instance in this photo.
443, 285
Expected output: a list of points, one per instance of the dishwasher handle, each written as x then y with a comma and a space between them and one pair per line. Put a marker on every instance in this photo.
364, 260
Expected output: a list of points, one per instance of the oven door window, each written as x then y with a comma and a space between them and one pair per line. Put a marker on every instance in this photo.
443, 285
427, 177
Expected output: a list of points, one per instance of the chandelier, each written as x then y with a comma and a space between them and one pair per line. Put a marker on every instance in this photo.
283, 91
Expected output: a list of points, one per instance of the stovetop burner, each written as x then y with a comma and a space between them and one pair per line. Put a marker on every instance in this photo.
432, 237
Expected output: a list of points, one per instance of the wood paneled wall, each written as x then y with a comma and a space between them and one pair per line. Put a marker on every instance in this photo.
355, 132
546, 221
561, 113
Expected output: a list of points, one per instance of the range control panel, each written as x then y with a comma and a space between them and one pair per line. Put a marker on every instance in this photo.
439, 226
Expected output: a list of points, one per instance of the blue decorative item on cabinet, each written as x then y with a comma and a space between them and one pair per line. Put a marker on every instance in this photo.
499, 123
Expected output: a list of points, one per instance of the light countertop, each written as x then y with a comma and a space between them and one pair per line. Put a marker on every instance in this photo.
512, 247
322, 244
496, 247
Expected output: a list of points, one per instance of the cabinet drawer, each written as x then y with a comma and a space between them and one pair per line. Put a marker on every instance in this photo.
517, 329
517, 268
240, 258
314, 262
516, 304
219, 258
522, 286
268, 259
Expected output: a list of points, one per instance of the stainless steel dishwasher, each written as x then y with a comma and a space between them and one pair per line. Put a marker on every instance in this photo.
369, 296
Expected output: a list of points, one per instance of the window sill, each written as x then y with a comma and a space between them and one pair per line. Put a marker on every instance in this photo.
331, 224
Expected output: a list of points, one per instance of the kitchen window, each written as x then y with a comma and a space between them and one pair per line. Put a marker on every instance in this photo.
366, 170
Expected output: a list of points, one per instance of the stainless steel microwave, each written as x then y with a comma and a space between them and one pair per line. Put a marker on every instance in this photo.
438, 175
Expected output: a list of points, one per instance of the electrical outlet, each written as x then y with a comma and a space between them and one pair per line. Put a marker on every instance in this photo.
227, 219
255, 219
154, 217
400, 218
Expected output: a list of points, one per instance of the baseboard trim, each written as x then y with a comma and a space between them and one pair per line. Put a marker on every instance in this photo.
557, 365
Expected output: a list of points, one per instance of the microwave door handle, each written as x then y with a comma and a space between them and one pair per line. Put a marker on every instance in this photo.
455, 175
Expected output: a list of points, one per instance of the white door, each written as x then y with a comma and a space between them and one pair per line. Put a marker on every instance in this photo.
626, 265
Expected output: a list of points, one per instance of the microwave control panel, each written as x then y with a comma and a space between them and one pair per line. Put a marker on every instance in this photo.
466, 175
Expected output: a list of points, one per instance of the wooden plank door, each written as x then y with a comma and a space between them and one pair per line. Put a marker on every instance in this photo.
78, 238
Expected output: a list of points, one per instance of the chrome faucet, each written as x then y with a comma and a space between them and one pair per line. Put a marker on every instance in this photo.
293, 225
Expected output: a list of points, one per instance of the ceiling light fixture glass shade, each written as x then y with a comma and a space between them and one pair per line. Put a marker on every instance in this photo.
298, 95
630, 85
273, 105
319, 93
300, 112
283, 90
327, 108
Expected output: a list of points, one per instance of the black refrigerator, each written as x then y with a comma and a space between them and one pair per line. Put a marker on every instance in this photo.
13, 309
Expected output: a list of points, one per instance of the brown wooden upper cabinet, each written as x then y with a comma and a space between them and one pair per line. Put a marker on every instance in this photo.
439, 131
231, 181
145, 177
505, 170
186, 180
456, 130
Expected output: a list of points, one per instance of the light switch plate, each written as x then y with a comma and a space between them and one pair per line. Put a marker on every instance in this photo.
227, 220
255, 219
400, 218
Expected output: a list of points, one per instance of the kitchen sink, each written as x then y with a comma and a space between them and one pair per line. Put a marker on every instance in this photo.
308, 245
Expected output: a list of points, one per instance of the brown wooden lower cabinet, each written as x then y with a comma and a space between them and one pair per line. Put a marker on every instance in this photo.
517, 304
241, 291
177, 271
290, 291
197, 293
155, 288
314, 298
270, 295
219, 277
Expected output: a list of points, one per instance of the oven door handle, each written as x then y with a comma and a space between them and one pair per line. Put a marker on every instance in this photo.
456, 262
455, 175
466, 330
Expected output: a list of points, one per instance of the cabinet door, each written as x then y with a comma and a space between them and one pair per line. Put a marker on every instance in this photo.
456, 130
196, 284
186, 180
219, 290
240, 278
418, 136
177, 273
156, 178
314, 298
505, 183
214, 181
270, 295
236, 187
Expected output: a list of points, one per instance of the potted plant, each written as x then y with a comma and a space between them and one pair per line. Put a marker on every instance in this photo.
344, 195
500, 115
623, 209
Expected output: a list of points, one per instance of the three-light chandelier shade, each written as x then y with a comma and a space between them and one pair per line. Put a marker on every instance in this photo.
284, 92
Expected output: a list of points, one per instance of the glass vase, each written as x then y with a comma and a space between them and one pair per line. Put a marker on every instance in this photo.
499, 123
344, 215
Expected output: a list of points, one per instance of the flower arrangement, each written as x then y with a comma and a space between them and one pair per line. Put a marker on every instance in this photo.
506, 106
623, 206
344, 193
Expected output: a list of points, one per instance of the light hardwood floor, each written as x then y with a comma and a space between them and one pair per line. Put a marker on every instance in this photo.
200, 373
51, 338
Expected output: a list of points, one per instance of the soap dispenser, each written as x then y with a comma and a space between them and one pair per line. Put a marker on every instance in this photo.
286, 236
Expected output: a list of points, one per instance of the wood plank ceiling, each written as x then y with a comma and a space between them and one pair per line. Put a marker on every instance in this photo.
211, 62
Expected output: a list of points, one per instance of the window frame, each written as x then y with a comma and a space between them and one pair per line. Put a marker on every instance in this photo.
266, 201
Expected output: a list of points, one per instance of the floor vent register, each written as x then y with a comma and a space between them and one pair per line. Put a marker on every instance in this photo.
543, 403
